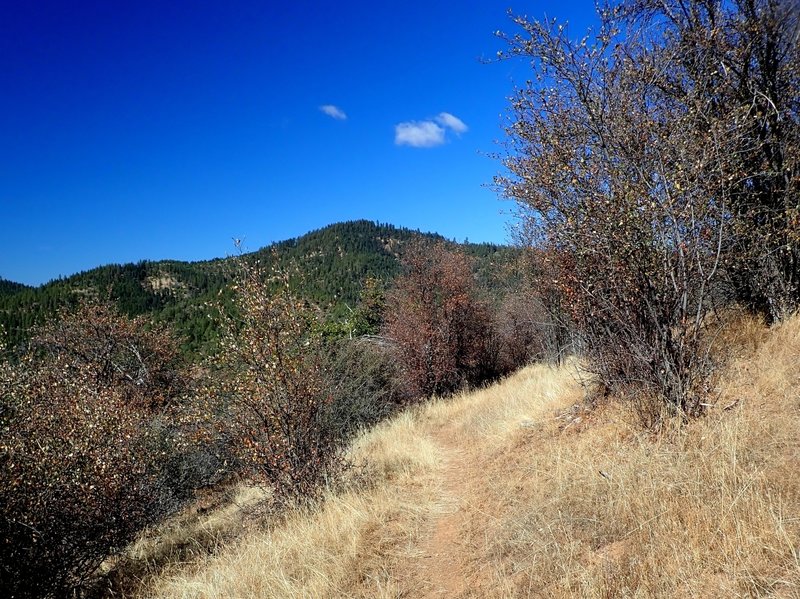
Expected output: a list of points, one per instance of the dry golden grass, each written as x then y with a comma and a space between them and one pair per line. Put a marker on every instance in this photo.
707, 510
205, 527
512, 491
353, 541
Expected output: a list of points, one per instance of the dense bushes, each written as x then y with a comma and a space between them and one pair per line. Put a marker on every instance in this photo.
446, 332
271, 390
84, 463
103, 432
655, 163
440, 328
366, 385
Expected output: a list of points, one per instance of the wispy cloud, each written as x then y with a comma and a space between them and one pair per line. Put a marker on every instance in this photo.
428, 133
418, 134
451, 122
334, 112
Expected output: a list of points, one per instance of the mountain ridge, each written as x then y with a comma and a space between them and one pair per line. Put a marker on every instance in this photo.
331, 265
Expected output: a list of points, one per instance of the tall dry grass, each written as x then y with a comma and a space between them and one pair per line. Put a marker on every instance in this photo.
359, 542
711, 509
549, 499
350, 545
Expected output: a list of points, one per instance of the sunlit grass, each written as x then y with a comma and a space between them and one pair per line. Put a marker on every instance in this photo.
551, 500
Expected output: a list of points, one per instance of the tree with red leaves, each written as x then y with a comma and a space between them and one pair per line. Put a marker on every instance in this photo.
438, 323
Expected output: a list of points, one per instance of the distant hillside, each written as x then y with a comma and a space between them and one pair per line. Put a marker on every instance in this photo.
332, 262
337, 259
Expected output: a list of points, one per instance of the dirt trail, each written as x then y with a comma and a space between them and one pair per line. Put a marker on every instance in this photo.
441, 566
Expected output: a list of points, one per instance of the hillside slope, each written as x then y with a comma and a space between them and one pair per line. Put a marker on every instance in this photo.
331, 263
10, 287
517, 491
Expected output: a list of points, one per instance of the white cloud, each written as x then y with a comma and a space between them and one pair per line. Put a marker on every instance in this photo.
428, 133
451, 122
418, 134
334, 112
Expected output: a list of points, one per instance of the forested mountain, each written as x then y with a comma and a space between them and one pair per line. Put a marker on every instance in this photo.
329, 268
9, 287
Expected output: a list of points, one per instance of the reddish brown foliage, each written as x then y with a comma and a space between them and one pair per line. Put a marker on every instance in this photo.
82, 455
440, 327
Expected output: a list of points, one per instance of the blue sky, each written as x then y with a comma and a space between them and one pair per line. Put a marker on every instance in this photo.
151, 130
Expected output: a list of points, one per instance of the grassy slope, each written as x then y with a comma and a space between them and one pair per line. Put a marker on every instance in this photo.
511, 492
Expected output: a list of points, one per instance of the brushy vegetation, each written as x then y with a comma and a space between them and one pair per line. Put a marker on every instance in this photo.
656, 161
439, 327
269, 377
107, 430
549, 498
89, 452
655, 166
